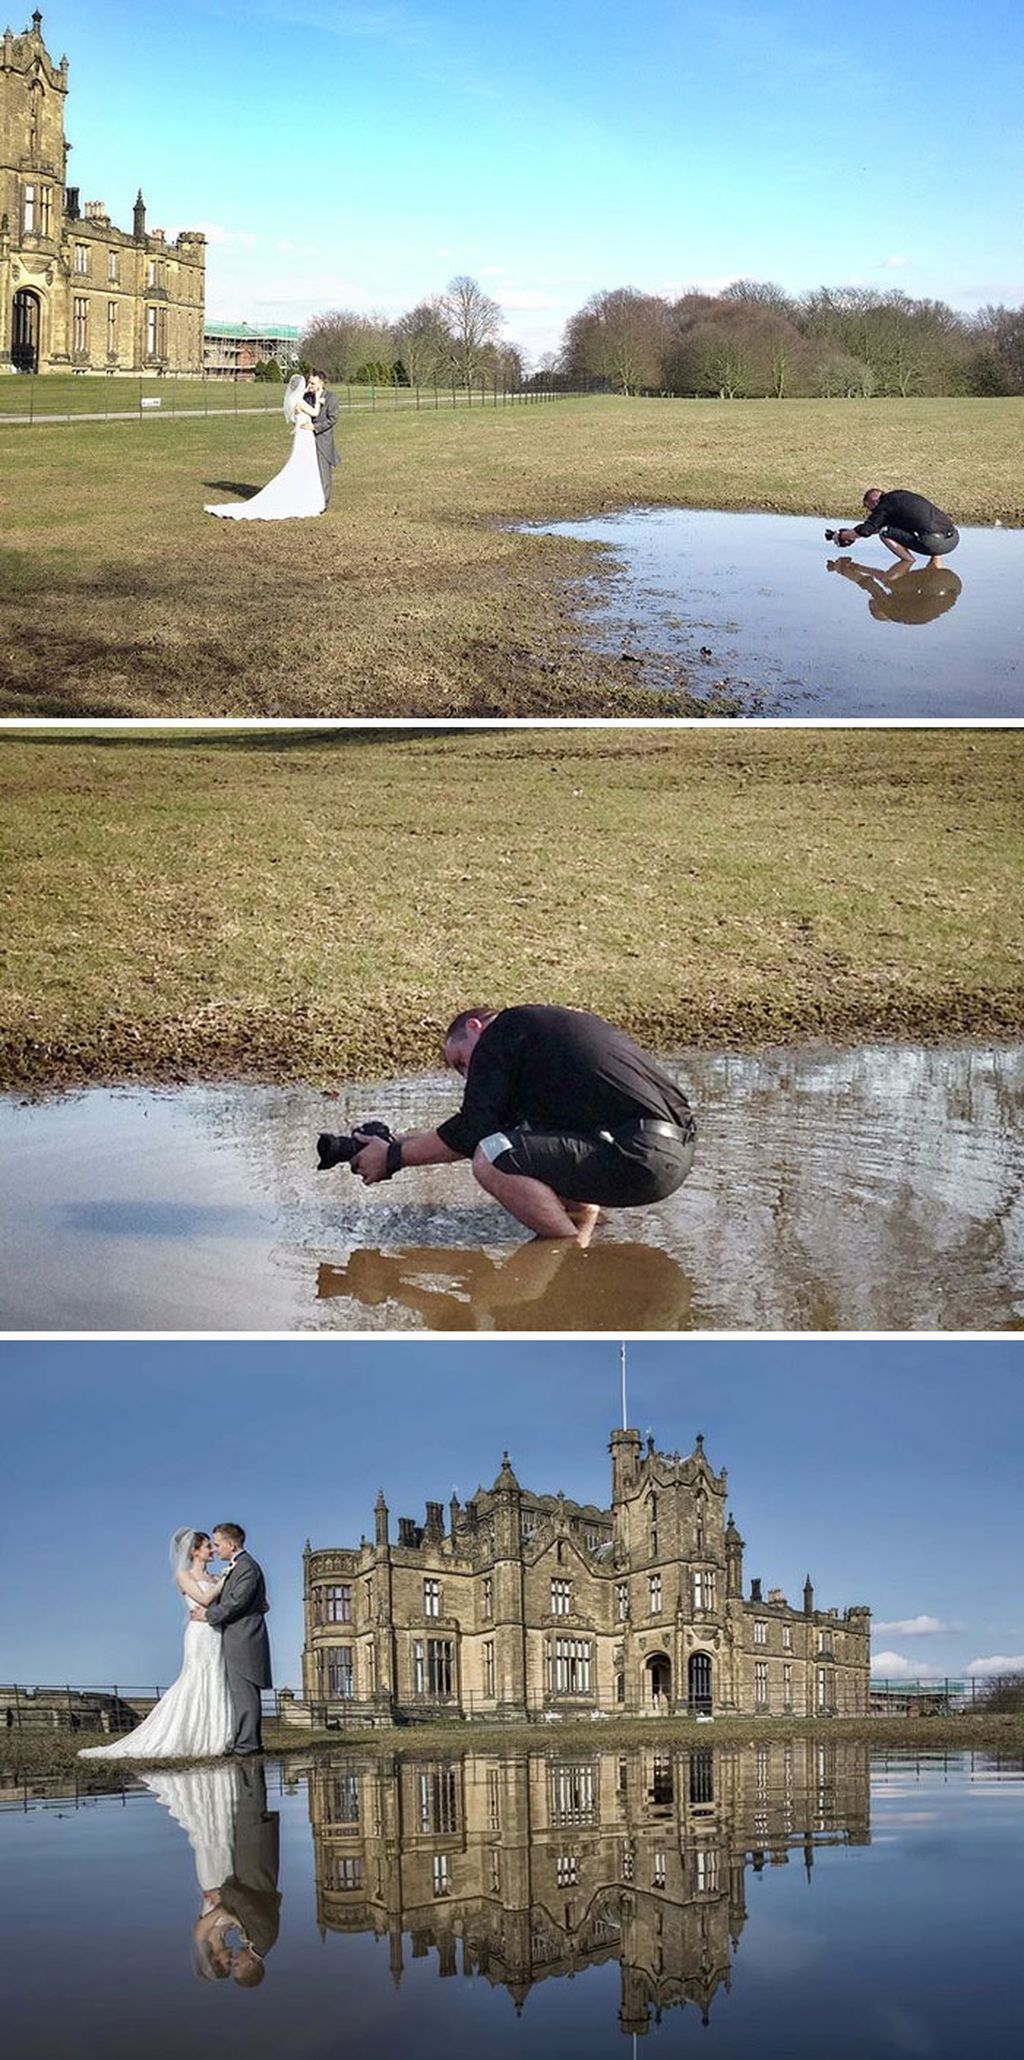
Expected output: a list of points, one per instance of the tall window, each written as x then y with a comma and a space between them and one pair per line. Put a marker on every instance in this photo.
655, 1584
151, 272
704, 1588
567, 1870
561, 1598
81, 323
569, 1666
705, 1870
29, 204
45, 211
439, 1801
787, 1685
824, 1641
344, 1799
824, 1699
434, 1666
337, 1603
760, 1631
151, 332
658, 1869
495, 1873
493, 1799
787, 1637
488, 1596
442, 1877
340, 1671
761, 1681
572, 1795
431, 1598
112, 267
81, 258
488, 1666
111, 328
622, 1598
344, 1872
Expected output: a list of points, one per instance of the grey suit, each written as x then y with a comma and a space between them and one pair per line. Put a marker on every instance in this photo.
238, 1614
250, 1892
326, 448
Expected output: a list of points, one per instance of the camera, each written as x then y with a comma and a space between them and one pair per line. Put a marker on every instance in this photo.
832, 536
339, 1148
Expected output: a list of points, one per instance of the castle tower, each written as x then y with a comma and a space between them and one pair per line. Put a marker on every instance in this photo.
33, 160
509, 1610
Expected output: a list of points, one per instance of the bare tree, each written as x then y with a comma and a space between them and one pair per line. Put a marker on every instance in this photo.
425, 343
350, 347
475, 323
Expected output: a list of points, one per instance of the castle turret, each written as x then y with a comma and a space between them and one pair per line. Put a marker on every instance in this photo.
733, 1559
139, 218
625, 1450
380, 1514
808, 1598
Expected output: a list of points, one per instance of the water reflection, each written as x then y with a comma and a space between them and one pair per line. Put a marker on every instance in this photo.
740, 605
235, 1841
903, 593
797, 1896
540, 1864
629, 1286
875, 1188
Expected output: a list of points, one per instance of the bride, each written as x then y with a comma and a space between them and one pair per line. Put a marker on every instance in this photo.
194, 1718
296, 489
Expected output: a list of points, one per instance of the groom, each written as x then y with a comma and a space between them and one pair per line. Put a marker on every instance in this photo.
323, 429
238, 1613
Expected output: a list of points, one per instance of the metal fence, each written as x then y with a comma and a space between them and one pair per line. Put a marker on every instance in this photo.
71, 1707
33, 398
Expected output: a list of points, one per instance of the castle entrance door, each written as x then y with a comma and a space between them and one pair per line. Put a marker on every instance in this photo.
659, 1681
25, 331
698, 1684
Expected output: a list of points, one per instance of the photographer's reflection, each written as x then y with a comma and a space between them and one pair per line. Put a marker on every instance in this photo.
908, 593
540, 1286
235, 1842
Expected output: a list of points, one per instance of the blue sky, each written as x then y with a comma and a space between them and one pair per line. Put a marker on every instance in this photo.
361, 155
890, 1471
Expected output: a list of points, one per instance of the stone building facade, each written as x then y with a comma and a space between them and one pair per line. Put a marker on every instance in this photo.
528, 1866
76, 293
533, 1605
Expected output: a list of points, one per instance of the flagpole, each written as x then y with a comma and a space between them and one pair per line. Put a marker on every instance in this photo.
622, 1369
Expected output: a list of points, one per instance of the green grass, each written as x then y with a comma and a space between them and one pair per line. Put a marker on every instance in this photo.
412, 596
313, 907
49, 1755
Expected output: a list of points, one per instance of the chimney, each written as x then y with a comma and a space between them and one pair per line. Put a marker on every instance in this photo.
755, 1591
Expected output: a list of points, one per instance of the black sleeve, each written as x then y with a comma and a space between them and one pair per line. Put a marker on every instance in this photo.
243, 1588
872, 523
487, 1104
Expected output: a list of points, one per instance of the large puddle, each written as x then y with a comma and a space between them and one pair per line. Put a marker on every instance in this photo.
775, 1899
876, 1188
745, 609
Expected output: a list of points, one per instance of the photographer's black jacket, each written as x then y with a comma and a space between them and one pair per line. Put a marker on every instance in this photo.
900, 510
560, 1070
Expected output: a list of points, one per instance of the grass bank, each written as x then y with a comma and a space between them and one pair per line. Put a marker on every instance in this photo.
409, 597
29, 1756
315, 908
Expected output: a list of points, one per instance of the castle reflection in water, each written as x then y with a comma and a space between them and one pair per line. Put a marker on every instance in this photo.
543, 1862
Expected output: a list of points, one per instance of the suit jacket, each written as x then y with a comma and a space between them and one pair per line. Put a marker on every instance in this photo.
250, 1892
323, 429
239, 1614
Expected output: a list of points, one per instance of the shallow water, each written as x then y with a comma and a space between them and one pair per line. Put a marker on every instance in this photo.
875, 1188
773, 1899
746, 606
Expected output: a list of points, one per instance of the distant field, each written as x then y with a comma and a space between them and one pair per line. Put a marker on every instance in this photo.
411, 596
58, 396
308, 907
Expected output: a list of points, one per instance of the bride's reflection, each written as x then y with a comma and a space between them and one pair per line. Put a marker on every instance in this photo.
235, 1842
903, 593
538, 1286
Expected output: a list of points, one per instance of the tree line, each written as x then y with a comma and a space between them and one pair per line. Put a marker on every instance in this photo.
451, 339
754, 340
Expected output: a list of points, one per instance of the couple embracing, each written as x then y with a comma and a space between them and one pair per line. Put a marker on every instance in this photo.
213, 1707
303, 485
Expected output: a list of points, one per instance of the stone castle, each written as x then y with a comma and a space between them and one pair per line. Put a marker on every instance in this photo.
530, 1866
531, 1605
76, 294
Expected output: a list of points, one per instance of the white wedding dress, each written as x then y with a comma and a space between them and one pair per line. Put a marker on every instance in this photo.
203, 1800
294, 491
194, 1719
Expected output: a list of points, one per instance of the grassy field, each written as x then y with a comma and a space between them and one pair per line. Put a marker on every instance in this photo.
410, 597
49, 1755
317, 906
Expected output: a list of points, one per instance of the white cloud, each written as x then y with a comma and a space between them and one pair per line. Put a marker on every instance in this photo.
893, 1666
893, 264
228, 239
996, 1663
914, 1627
